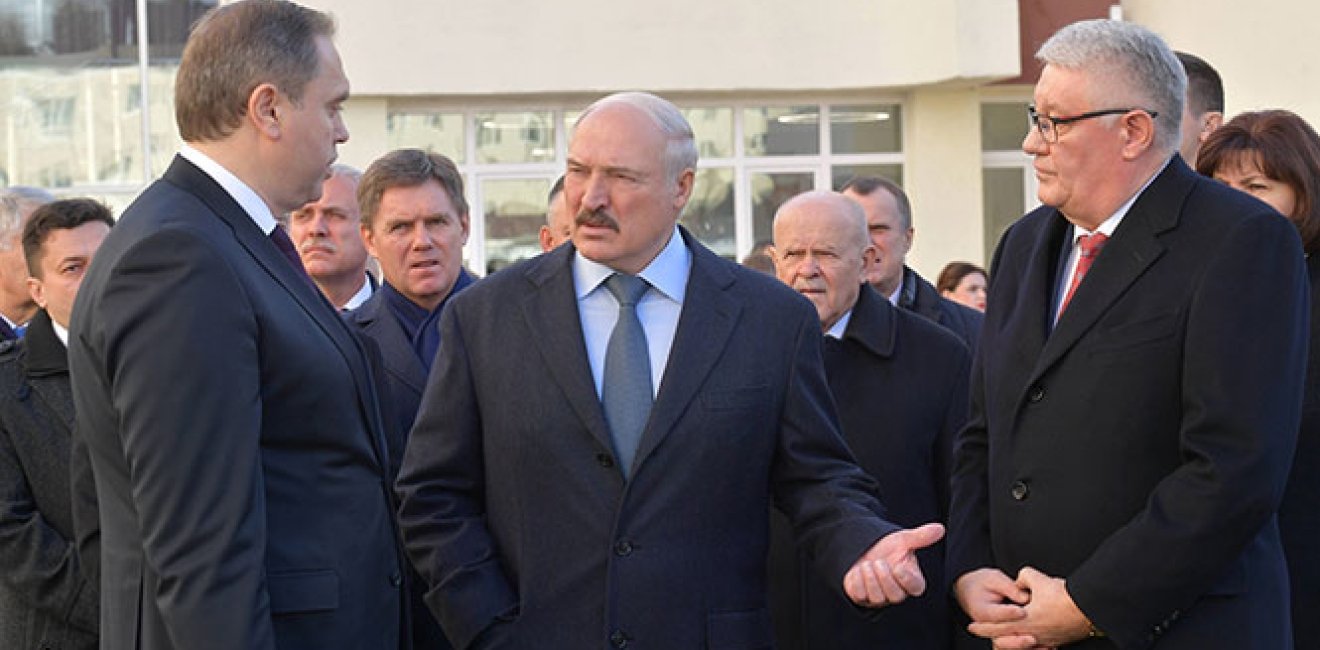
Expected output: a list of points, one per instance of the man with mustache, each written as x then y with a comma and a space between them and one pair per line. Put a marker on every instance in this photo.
608, 424
328, 235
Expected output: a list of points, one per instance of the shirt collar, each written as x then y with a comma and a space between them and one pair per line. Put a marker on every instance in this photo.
60, 333
1111, 224
667, 273
363, 293
246, 197
840, 326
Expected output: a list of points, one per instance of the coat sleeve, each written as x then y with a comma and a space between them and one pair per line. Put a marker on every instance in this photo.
1243, 363
39, 565
442, 499
180, 349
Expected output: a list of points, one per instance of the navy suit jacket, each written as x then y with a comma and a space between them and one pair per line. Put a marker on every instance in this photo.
1299, 514
1140, 448
515, 513
403, 377
235, 438
900, 383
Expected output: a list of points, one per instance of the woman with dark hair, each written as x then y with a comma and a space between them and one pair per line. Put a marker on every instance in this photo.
964, 283
1275, 156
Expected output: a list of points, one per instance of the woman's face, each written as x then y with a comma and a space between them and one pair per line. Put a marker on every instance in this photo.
1247, 176
970, 291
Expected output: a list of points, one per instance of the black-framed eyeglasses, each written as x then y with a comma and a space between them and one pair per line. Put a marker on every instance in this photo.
1048, 125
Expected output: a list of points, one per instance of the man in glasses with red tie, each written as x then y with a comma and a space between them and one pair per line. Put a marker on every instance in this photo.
1136, 397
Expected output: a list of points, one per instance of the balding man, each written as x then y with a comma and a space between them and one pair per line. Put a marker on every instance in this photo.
1137, 396
900, 384
16, 306
889, 221
328, 235
604, 429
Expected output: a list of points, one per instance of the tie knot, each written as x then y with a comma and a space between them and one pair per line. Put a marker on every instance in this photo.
1090, 245
627, 289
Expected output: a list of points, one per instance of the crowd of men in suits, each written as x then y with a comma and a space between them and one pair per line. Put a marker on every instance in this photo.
222, 430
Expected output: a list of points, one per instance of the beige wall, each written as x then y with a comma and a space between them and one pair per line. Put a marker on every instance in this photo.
408, 47
1267, 53
943, 178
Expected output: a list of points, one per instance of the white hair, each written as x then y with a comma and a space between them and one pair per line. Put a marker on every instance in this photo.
1128, 56
681, 145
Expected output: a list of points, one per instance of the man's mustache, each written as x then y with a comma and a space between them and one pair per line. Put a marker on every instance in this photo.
596, 219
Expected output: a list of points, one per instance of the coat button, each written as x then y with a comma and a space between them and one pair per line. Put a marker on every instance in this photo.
1036, 393
618, 639
605, 460
395, 579
1020, 490
623, 548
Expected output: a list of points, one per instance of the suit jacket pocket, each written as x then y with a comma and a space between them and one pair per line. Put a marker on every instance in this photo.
301, 592
1134, 335
734, 399
746, 630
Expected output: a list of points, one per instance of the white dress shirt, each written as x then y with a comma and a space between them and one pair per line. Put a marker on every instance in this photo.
658, 310
246, 197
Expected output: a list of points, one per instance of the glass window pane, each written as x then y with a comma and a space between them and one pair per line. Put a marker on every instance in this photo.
514, 211
840, 174
709, 213
769, 191
713, 128
1004, 199
869, 128
524, 136
1003, 126
440, 133
781, 131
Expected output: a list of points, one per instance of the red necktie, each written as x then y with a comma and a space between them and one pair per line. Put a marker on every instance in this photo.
1088, 248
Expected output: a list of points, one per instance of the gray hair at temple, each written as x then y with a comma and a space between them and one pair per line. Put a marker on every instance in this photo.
681, 150
14, 203
1129, 61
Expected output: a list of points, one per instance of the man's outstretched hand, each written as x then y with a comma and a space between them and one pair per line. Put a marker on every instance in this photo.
888, 572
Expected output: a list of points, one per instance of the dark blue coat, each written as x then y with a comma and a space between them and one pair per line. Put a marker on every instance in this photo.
513, 508
900, 384
1139, 449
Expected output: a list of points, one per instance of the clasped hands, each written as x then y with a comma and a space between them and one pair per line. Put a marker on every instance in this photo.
888, 573
1034, 612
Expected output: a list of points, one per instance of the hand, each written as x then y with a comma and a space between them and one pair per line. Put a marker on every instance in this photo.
990, 596
1052, 618
888, 572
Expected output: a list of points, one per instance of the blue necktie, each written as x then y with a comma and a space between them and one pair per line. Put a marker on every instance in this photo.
626, 392
20, 330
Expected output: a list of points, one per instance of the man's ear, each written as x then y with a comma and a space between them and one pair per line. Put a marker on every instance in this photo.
1209, 122
1138, 133
263, 110
37, 289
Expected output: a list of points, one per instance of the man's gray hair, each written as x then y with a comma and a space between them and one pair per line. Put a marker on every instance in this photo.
14, 202
347, 171
1129, 60
681, 147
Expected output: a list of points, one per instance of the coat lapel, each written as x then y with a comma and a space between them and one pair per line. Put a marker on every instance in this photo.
1127, 255
258, 245
704, 326
399, 358
873, 323
48, 368
552, 299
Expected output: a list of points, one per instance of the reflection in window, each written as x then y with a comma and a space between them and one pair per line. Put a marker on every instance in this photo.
769, 191
514, 212
521, 137
440, 133
56, 115
709, 212
840, 174
781, 131
713, 128
871, 128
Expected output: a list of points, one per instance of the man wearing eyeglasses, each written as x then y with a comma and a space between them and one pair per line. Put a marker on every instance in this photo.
1138, 389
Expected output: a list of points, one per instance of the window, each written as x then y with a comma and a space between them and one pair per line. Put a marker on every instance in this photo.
1008, 185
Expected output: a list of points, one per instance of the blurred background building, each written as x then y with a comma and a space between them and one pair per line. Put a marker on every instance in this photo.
783, 96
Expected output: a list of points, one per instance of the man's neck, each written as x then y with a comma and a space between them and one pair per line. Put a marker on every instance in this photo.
242, 163
340, 288
1139, 175
17, 311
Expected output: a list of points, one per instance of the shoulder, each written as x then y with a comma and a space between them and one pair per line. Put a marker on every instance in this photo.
931, 338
